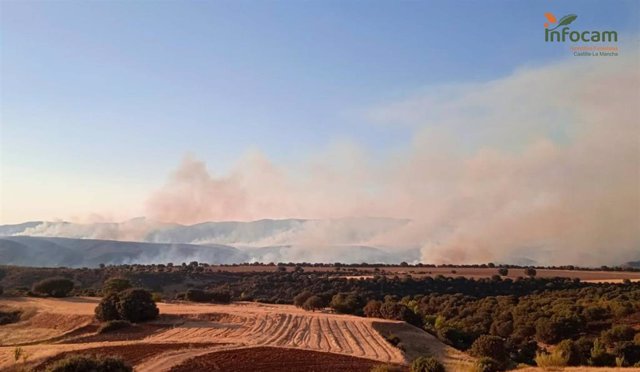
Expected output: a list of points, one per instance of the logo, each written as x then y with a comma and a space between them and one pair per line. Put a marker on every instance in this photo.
562, 33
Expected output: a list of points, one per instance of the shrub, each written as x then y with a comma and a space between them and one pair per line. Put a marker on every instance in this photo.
314, 303
489, 346
554, 359
76, 363
569, 350
115, 285
301, 298
106, 309
113, 325
398, 311
530, 272
134, 305
372, 309
426, 364
54, 287
346, 303
197, 295
547, 331
222, 297
628, 352
600, 357
616, 334
503, 271
9, 316
486, 365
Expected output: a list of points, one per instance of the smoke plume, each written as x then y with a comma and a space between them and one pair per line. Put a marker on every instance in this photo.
542, 164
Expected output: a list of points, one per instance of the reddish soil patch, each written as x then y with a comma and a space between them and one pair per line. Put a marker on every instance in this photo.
273, 359
132, 354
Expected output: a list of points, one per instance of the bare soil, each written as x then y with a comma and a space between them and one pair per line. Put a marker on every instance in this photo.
271, 359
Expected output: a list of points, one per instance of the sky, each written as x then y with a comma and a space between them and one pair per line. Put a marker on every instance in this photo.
106, 106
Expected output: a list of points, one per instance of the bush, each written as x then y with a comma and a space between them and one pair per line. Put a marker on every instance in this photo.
486, 365
503, 271
547, 331
600, 357
628, 352
346, 303
301, 298
113, 325
134, 305
398, 311
372, 309
115, 285
426, 364
392, 339
530, 272
554, 359
106, 309
221, 297
569, 350
197, 295
78, 363
53, 287
314, 303
489, 346
9, 316
616, 334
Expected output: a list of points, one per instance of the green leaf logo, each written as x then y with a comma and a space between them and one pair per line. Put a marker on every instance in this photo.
566, 20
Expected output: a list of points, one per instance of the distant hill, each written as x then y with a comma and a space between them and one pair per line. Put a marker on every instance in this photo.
8, 230
51, 252
261, 233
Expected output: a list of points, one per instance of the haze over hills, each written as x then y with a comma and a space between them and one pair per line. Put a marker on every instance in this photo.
139, 240
347, 240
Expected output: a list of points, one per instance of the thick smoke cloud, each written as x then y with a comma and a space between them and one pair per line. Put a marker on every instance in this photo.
543, 164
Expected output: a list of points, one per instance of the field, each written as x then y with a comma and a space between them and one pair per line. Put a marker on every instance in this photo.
594, 276
272, 336
187, 331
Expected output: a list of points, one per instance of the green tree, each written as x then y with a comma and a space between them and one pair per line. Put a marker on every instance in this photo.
134, 305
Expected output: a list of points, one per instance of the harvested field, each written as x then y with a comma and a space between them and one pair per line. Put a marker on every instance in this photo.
237, 325
132, 353
271, 359
237, 337
417, 342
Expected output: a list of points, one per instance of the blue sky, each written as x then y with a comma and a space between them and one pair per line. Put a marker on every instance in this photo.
118, 92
